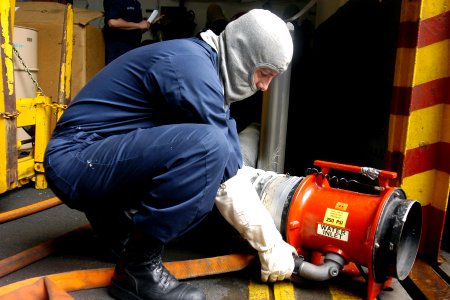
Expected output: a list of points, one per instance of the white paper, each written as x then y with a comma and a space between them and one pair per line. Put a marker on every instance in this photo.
153, 16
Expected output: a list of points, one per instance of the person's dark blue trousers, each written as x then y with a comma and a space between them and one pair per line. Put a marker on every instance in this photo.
166, 176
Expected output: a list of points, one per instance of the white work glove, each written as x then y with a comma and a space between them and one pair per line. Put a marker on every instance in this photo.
239, 203
277, 263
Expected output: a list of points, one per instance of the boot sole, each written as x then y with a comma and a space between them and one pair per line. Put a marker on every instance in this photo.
119, 292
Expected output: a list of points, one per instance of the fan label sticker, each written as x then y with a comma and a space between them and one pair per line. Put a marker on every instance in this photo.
335, 217
333, 232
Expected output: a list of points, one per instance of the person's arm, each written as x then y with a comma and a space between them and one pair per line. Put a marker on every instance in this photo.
239, 203
192, 90
125, 25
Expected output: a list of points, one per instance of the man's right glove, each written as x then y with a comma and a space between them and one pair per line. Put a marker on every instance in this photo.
239, 203
277, 263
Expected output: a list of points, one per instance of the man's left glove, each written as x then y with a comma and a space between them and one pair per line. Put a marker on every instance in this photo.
239, 203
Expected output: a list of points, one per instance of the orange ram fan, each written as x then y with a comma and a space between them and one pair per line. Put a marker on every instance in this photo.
336, 224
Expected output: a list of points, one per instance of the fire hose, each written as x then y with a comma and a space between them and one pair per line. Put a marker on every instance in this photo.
333, 224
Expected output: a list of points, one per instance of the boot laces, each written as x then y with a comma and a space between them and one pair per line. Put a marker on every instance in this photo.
164, 275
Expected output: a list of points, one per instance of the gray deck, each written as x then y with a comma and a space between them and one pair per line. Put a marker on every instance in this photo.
83, 251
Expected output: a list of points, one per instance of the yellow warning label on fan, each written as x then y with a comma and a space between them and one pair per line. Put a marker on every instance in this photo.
335, 217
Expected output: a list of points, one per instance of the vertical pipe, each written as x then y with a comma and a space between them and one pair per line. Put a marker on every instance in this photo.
274, 118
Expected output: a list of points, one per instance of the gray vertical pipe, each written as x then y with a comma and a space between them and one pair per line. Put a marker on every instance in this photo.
272, 143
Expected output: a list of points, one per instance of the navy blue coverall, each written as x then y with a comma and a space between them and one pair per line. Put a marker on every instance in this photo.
149, 133
119, 41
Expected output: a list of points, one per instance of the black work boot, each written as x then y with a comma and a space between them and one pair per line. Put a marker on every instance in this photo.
140, 275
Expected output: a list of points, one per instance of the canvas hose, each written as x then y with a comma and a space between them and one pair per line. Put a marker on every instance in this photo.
56, 286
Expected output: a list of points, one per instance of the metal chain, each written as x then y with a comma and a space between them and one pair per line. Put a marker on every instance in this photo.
28, 71
57, 106
7, 115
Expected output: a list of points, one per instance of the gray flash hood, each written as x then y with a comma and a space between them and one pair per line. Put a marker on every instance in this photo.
257, 39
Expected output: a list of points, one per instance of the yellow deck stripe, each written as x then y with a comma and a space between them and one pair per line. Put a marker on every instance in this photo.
284, 291
338, 293
258, 291
281, 291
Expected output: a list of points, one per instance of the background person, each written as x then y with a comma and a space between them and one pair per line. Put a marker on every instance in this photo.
124, 26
